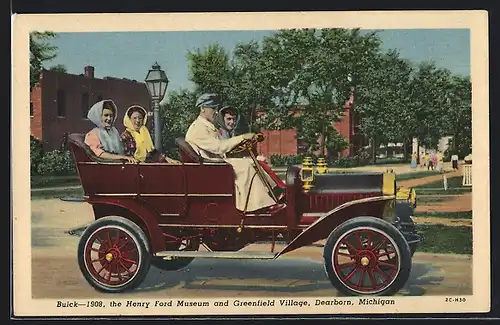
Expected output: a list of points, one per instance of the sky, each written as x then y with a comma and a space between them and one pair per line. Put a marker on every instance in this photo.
131, 54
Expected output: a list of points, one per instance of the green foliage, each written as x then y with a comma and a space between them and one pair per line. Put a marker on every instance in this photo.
452, 182
332, 162
36, 154
433, 199
54, 181
416, 175
438, 191
41, 51
446, 215
303, 79
57, 162
177, 115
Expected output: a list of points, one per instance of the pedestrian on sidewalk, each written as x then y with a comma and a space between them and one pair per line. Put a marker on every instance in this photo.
454, 161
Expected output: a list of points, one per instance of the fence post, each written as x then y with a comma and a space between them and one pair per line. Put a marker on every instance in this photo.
445, 182
467, 175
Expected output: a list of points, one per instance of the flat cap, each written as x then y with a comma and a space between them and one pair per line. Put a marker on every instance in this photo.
209, 100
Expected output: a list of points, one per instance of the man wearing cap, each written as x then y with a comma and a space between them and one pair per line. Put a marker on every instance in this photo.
203, 136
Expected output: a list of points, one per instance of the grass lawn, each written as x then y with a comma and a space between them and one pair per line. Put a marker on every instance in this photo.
446, 215
442, 191
432, 199
416, 175
453, 182
445, 239
53, 181
56, 194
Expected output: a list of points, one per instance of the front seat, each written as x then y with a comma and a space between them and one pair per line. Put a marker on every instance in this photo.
186, 152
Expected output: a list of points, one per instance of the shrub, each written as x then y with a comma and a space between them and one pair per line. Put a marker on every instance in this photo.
36, 154
340, 162
56, 162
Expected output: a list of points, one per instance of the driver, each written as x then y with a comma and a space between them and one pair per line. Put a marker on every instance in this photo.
203, 136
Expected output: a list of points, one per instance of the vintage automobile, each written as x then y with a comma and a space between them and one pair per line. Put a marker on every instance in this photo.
166, 215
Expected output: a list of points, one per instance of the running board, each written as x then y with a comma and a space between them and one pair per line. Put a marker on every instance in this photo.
226, 255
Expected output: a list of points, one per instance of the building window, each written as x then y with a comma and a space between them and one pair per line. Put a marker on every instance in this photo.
31, 109
61, 103
85, 104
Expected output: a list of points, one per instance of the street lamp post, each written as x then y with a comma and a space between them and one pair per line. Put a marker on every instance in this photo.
156, 83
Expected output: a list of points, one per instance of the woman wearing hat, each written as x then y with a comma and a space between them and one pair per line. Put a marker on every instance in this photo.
137, 140
227, 119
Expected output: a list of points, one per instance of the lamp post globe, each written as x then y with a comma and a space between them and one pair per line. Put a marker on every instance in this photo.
156, 83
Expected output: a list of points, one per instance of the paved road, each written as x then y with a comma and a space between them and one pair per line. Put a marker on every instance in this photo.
55, 272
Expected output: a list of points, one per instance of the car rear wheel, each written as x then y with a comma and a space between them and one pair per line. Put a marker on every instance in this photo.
113, 254
358, 262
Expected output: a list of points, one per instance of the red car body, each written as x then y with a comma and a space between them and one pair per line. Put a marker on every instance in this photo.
195, 202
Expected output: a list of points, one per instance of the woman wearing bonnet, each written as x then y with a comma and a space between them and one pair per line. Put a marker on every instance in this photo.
104, 139
136, 138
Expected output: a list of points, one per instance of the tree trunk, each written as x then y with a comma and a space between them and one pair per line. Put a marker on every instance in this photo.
374, 151
323, 142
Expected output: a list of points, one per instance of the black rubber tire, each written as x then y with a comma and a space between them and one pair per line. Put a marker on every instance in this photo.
405, 211
380, 225
140, 240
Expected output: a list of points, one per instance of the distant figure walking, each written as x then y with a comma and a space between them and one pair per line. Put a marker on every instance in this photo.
454, 161
413, 160
439, 160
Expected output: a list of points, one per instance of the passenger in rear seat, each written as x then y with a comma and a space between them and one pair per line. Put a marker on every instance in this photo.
104, 139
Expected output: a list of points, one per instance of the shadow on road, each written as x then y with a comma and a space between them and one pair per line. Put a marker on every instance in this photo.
278, 276
287, 275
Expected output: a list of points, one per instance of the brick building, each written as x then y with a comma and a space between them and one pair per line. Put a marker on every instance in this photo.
285, 142
60, 101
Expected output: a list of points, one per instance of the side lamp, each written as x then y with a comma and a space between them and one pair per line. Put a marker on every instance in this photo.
307, 174
321, 166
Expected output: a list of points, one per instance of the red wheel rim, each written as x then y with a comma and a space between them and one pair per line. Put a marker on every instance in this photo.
366, 260
112, 256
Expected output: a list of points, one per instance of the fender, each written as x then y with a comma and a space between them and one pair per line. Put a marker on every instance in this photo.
144, 213
328, 221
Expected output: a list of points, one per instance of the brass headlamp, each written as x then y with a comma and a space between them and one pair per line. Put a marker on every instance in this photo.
321, 166
307, 174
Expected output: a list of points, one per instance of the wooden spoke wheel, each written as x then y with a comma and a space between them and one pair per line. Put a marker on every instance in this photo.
113, 254
367, 256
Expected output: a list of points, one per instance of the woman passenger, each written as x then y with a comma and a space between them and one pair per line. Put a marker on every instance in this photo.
104, 139
137, 140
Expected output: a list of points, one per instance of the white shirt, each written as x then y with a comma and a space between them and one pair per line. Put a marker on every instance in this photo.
203, 136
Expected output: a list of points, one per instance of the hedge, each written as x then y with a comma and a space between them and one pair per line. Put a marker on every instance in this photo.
57, 162
360, 159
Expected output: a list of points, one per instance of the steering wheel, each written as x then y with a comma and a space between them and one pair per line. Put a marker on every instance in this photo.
247, 144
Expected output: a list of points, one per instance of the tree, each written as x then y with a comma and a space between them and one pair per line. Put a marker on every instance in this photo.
457, 119
59, 68
241, 80
393, 88
41, 51
176, 117
210, 71
250, 84
429, 103
312, 67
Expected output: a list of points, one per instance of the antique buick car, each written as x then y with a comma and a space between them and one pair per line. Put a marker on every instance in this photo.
166, 215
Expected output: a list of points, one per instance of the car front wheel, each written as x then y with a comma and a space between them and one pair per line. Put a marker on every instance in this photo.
367, 256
